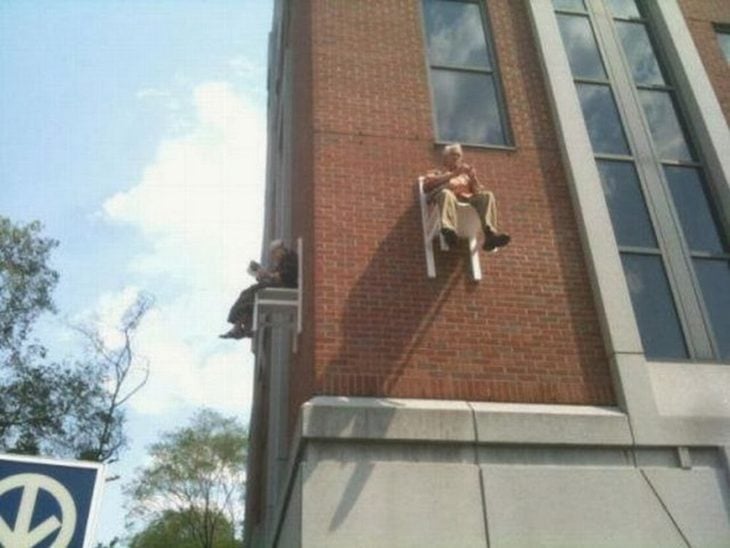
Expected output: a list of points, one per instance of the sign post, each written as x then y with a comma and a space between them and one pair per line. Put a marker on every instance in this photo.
47, 503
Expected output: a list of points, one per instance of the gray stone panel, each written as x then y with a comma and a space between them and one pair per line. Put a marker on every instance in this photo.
698, 501
387, 418
550, 424
290, 535
562, 507
691, 390
398, 505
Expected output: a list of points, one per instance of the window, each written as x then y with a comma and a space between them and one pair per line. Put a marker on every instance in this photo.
723, 36
673, 244
464, 80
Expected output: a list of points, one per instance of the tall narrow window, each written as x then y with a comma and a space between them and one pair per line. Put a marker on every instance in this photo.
723, 36
673, 247
464, 79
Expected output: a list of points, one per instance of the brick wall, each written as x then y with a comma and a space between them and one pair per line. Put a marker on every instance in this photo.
700, 15
375, 325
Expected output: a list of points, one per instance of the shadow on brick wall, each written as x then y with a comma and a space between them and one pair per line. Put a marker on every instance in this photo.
389, 310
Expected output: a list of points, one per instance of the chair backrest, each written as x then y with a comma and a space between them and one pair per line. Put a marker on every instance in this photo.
468, 227
421, 193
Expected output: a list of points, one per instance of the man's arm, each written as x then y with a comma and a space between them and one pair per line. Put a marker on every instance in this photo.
434, 180
475, 184
267, 276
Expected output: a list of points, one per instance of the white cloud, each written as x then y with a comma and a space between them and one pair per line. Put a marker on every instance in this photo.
199, 206
184, 372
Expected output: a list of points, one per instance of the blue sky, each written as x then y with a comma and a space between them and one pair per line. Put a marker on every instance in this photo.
135, 131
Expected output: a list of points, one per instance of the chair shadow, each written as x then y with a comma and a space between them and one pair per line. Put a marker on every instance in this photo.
388, 312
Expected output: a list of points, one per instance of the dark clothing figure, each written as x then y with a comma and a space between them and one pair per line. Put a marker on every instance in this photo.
283, 273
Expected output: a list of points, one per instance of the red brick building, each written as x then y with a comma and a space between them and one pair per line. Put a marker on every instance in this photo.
415, 411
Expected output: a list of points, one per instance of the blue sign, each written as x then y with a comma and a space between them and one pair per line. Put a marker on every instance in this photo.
46, 503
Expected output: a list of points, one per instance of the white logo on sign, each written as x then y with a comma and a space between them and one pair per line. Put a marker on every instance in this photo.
22, 536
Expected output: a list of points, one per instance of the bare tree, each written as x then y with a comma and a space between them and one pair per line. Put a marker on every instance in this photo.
118, 374
72, 408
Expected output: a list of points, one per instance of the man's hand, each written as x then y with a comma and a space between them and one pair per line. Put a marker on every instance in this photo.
264, 276
465, 169
436, 179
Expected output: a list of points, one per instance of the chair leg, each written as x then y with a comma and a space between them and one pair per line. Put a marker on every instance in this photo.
476, 267
430, 260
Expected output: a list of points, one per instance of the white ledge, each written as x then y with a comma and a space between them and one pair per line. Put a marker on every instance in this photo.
387, 419
551, 424
434, 421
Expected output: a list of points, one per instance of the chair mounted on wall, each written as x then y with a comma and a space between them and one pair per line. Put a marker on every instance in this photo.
468, 228
271, 299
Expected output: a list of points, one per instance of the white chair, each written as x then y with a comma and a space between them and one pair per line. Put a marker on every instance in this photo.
278, 298
468, 227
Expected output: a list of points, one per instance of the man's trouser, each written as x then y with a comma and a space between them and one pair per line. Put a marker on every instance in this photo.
483, 202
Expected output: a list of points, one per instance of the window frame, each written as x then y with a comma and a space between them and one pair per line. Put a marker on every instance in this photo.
722, 29
676, 255
493, 71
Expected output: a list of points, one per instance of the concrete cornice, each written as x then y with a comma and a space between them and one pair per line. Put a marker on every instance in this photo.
436, 421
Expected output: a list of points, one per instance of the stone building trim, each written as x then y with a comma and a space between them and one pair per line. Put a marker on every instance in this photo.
645, 389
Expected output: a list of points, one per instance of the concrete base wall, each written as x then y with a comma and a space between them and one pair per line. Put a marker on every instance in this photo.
401, 473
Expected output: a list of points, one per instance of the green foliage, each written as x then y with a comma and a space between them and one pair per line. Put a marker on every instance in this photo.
26, 285
174, 529
64, 409
114, 543
197, 472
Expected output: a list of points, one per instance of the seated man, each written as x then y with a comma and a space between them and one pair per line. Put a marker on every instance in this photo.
459, 183
282, 273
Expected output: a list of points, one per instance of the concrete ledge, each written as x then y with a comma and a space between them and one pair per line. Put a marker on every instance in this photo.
387, 419
394, 472
551, 424
327, 417
680, 431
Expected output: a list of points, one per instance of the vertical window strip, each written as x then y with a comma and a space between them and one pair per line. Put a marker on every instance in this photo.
651, 295
723, 38
694, 210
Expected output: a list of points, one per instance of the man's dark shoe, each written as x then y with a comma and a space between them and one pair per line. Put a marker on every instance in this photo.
452, 239
495, 240
237, 332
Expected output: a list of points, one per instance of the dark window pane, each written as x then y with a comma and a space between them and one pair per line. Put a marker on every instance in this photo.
580, 45
640, 53
574, 5
669, 140
629, 217
689, 192
602, 119
659, 326
455, 34
626, 9
714, 278
724, 38
467, 110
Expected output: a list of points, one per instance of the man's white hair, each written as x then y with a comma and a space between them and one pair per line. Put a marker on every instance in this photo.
454, 147
276, 243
